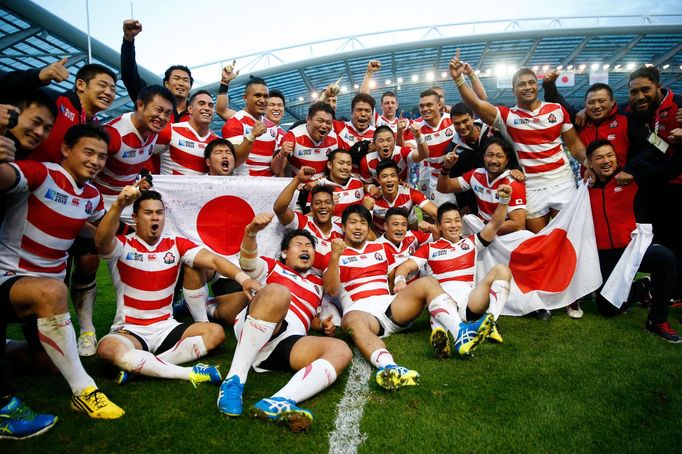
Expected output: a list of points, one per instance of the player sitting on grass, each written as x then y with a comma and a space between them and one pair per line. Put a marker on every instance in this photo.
358, 274
452, 260
144, 266
272, 331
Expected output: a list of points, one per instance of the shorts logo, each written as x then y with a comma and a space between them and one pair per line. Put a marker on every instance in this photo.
168, 258
134, 256
378, 256
57, 196
88, 207
551, 118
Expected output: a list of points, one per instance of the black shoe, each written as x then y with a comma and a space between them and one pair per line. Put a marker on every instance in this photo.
542, 314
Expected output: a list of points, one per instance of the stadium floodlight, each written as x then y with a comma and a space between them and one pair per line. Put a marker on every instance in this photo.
606, 66
443, 75
594, 66
344, 89
399, 87
569, 67
372, 84
415, 77
314, 95
488, 71
535, 68
617, 67
300, 98
666, 66
560, 67
630, 66
430, 76
500, 70
545, 67
356, 86
388, 82
511, 69
478, 72
400, 80
582, 67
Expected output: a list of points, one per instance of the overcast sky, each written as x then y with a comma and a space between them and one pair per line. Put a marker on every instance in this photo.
193, 32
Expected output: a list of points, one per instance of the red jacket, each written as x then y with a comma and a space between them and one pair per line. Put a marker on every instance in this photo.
613, 128
613, 213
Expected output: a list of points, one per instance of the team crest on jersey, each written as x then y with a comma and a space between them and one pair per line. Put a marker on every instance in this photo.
186, 143
272, 133
614, 124
67, 112
357, 194
378, 256
464, 246
88, 207
448, 132
411, 250
663, 114
168, 258
551, 118
135, 257
57, 196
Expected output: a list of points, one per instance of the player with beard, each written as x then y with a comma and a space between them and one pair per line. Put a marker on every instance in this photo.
272, 331
394, 194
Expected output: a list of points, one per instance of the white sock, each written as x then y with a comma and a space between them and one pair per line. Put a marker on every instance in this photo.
211, 307
255, 334
381, 358
58, 338
499, 292
145, 363
307, 382
443, 310
187, 349
196, 302
83, 298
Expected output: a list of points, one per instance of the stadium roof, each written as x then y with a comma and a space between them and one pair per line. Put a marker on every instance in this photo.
412, 59
31, 37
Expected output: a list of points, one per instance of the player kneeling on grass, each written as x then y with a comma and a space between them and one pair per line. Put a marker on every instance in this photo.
271, 332
144, 267
358, 274
46, 206
452, 260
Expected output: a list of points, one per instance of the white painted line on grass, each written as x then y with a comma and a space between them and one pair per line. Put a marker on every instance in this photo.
346, 437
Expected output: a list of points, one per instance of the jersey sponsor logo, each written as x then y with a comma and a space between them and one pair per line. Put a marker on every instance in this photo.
151, 256
135, 257
521, 121
129, 154
289, 274
247, 130
438, 254
551, 118
75, 202
168, 258
186, 143
347, 260
378, 256
57, 196
611, 137
67, 112
305, 152
428, 137
88, 207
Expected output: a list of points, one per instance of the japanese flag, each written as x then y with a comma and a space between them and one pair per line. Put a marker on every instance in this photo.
565, 79
214, 211
552, 268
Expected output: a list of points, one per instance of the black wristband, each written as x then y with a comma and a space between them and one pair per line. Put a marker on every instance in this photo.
444, 171
222, 89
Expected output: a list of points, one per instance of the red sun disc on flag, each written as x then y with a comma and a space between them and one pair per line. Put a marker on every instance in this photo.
545, 262
564, 79
221, 222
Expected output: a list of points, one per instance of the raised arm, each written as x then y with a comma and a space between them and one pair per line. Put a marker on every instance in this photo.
248, 251
445, 183
476, 84
222, 105
422, 151
552, 93
499, 215
129, 74
281, 205
485, 111
331, 278
372, 67
105, 240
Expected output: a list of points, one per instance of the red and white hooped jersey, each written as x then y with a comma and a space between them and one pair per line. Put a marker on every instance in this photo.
536, 138
43, 214
380, 120
323, 247
144, 276
128, 154
408, 246
347, 194
181, 149
437, 138
401, 156
258, 161
363, 273
307, 152
450, 261
349, 136
305, 289
476, 180
407, 198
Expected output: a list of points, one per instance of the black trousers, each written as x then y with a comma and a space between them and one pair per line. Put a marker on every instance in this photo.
660, 262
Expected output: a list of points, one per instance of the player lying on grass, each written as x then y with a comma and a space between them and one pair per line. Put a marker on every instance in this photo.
144, 266
358, 274
272, 330
452, 260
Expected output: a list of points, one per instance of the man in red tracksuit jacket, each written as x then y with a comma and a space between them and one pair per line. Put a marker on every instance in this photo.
615, 211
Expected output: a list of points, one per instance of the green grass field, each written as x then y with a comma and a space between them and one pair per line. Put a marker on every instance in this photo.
590, 385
